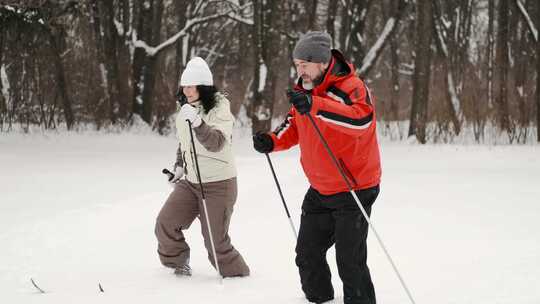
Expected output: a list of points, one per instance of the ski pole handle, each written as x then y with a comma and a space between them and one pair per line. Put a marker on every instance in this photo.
169, 174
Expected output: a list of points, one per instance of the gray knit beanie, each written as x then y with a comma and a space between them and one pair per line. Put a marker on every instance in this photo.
313, 47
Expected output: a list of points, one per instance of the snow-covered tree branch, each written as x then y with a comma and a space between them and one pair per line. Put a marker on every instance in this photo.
388, 30
530, 23
154, 50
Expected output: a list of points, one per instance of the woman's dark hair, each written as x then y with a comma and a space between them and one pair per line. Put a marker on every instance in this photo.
207, 95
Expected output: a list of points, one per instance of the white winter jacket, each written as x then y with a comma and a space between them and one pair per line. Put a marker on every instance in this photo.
214, 166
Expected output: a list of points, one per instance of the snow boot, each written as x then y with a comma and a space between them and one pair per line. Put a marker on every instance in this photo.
183, 270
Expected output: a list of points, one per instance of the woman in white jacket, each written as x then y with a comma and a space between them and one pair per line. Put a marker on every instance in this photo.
212, 122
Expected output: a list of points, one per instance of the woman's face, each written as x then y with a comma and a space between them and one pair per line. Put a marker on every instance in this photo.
191, 93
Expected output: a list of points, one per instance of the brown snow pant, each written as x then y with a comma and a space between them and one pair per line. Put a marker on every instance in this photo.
180, 210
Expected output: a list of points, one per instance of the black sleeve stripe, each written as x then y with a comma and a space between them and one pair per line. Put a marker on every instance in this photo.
356, 123
284, 126
339, 93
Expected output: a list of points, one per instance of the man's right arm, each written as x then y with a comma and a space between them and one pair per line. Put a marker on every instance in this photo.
286, 134
284, 137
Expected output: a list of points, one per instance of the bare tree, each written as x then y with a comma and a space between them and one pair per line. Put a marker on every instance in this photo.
389, 29
268, 44
452, 27
502, 67
106, 36
527, 19
312, 13
101, 61
535, 34
521, 45
3, 98
55, 39
422, 64
537, 75
394, 53
331, 19
146, 40
149, 72
490, 51
353, 24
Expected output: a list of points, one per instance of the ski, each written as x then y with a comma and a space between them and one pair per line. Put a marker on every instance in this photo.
43, 291
36, 286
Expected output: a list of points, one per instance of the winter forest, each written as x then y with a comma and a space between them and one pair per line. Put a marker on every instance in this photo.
89, 119
437, 68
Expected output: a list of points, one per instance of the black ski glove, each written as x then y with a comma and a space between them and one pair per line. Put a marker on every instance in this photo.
301, 101
263, 142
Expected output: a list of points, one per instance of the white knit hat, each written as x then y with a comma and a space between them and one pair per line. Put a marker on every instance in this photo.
196, 72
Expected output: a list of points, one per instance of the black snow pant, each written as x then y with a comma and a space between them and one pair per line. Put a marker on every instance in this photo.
328, 220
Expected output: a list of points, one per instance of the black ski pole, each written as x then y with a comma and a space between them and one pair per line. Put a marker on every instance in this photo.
351, 190
204, 201
281, 195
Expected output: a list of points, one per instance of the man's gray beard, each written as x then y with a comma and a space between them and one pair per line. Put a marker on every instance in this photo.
310, 85
317, 81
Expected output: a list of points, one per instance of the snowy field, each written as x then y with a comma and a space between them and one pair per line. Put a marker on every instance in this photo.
78, 209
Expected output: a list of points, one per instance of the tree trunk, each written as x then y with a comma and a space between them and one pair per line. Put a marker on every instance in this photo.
151, 62
111, 58
257, 111
491, 51
312, 14
142, 16
538, 74
421, 77
124, 63
3, 102
502, 64
394, 58
269, 21
61, 79
181, 7
356, 49
97, 20
520, 43
344, 32
453, 44
331, 18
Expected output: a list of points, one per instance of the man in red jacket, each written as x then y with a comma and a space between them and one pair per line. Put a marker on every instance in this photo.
342, 107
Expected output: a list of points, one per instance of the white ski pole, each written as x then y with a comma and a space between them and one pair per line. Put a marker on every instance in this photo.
204, 203
361, 207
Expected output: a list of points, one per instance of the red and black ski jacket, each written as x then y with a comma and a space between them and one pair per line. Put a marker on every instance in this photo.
343, 109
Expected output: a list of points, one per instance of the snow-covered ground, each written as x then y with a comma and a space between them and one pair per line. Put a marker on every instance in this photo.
78, 209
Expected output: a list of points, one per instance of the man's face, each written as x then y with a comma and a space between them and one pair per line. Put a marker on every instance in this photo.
309, 71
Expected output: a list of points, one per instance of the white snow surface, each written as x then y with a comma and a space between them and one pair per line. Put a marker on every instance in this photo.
78, 209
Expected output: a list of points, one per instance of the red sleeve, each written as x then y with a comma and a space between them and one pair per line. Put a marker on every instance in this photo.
286, 135
354, 115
